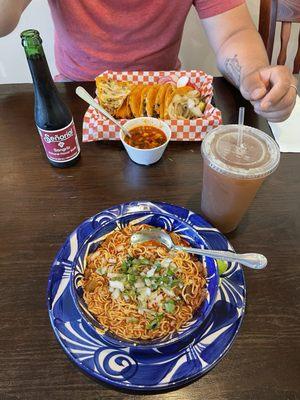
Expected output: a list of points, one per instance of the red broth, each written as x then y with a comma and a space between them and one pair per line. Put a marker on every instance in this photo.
146, 137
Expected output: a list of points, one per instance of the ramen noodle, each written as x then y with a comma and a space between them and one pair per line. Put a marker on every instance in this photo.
142, 291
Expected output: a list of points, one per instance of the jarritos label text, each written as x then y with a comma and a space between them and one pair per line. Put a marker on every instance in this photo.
61, 145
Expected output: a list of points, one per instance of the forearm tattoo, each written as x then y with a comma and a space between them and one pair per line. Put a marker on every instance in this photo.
233, 70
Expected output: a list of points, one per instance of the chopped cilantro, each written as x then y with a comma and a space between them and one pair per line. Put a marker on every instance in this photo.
132, 319
175, 282
131, 278
155, 321
124, 266
169, 306
100, 271
144, 261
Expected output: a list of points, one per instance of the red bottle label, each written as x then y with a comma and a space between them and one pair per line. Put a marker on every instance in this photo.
61, 145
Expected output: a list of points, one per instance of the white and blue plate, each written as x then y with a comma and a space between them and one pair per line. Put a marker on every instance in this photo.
153, 368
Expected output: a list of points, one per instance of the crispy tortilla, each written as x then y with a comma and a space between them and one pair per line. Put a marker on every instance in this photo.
183, 90
112, 94
150, 101
143, 111
168, 97
135, 100
126, 100
124, 111
160, 100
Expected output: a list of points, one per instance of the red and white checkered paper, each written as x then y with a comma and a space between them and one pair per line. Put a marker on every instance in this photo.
97, 127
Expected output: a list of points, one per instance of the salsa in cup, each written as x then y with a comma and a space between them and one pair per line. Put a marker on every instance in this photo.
146, 137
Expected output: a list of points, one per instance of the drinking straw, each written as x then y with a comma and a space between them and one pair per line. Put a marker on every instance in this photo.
240, 127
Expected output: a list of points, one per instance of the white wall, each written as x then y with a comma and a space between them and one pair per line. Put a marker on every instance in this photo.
13, 64
194, 53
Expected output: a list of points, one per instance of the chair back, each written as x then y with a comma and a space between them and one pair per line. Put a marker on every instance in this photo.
287, 12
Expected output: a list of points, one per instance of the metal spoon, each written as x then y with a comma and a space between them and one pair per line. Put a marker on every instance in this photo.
84, 95
251, 260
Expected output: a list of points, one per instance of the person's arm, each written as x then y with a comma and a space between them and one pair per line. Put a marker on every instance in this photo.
10, 13
243, 61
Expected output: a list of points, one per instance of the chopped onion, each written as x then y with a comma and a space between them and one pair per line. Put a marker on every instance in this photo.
190, 103
151, 271
94, 255
159, 298
168, 292
139, 284
116, 285
101, 270
166, 262
148, 282
196, 111
144, 292
115, 294
156, 298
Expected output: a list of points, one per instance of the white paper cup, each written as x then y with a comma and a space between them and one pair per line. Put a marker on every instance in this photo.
146, 156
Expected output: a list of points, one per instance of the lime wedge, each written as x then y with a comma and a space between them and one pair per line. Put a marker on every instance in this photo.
222, 266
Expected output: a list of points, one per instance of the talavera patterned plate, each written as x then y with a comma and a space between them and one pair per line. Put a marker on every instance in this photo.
153, 368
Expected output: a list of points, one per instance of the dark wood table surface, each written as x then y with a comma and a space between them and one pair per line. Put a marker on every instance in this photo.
41, 205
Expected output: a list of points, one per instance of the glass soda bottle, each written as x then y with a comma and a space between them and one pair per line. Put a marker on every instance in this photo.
53, 118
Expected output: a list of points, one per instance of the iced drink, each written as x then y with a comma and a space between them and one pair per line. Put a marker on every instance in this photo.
232, 175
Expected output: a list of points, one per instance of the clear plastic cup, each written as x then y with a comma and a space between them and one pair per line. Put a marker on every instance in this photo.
232, 175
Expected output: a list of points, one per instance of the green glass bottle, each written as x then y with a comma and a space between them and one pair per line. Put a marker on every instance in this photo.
53, 118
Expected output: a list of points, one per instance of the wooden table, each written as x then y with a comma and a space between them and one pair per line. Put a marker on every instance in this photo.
41, 205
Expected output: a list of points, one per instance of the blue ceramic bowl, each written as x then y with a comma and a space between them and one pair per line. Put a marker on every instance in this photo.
151, 214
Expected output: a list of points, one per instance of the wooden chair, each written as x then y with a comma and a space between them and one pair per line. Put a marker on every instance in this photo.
286, 12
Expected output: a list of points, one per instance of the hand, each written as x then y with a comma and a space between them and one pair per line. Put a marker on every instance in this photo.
270, 92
